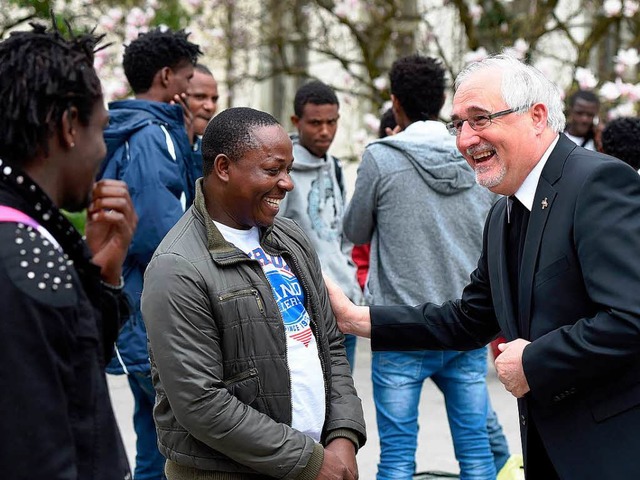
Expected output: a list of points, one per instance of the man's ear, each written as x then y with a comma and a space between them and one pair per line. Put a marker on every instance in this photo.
221, 166
165, 76
539, 114
295, 120
68, 127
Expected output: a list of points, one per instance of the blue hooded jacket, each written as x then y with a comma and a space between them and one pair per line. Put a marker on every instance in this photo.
148, 148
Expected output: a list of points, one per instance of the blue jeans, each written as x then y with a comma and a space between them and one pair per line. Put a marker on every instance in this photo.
149, 461
397, 383
497, 440
350, 347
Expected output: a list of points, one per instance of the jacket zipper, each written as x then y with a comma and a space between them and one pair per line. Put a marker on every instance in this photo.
252, 372
314, 329
244, 293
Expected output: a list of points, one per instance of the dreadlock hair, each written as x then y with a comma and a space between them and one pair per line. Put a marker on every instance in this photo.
231, 133
316, 93
42, 75
418, 83
154, 50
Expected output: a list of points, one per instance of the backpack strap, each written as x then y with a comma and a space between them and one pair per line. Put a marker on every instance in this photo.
11, 215
8, 214
338, 169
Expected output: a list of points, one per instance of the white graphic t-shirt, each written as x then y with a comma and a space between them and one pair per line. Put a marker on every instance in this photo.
307, 384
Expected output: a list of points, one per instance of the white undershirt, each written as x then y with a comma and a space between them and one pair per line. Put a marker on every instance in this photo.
527, 190
307, 380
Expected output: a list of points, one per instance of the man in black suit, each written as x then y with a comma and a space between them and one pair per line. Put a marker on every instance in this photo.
559, 274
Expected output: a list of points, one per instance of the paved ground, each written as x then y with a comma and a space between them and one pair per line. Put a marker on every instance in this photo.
435, 451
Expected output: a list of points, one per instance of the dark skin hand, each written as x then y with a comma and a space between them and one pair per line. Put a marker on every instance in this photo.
111, 223
339, 461
181, 100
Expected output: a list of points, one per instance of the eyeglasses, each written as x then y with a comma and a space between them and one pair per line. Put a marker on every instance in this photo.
478, 122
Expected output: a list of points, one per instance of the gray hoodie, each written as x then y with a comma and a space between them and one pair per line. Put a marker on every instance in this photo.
317, 204
417, 202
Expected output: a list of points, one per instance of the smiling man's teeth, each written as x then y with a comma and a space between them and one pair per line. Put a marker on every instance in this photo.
274, 202
482, 156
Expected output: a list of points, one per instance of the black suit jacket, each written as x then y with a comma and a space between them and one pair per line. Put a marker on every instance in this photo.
580, 307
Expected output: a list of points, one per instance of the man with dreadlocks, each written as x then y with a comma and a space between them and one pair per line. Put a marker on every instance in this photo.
61, 297
149, 148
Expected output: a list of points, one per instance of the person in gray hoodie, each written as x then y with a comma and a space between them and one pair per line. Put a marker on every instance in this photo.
417, 202
317, 203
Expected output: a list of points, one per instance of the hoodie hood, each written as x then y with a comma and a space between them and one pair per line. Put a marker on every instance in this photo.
433, 152
304, 160
128, 116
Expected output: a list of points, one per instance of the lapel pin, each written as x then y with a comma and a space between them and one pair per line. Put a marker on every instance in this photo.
545, 203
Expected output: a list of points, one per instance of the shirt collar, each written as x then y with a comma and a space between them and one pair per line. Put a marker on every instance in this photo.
527, 190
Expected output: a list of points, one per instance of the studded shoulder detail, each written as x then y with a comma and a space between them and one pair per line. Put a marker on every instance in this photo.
37, 266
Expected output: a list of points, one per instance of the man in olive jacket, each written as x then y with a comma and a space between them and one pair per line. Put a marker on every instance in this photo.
248, 364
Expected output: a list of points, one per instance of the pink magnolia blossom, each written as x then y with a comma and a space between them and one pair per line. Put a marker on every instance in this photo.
610, 91
475, 12
612, 8
341, 10
115, 14
634, 93
626, 109
630, 8
628, 58
136, 17
585, 78
371, 122
380, 83
519, 49
476, 55
107, 24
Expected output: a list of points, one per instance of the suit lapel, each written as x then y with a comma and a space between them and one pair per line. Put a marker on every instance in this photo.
541, 208
542, 205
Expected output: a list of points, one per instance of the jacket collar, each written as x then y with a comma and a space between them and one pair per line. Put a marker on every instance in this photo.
216, 243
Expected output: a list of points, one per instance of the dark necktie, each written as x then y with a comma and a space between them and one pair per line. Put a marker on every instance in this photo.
517, 229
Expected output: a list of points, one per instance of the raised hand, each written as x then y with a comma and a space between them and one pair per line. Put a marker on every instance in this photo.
181, 99
111, 223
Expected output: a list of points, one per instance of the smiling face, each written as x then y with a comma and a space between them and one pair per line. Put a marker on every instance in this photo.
257, 182
317, 127
503, 154
202, 100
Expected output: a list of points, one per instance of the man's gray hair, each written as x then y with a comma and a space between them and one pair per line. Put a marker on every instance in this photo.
522, 86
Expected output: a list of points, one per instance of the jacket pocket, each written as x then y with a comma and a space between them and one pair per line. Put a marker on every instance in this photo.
245, 386
547, 273
613, 401
232, 295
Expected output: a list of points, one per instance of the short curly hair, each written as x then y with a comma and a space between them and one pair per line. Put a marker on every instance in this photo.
42, 75
620, 140
154, 50
231, 133
586, 95
316, 93
418, 83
